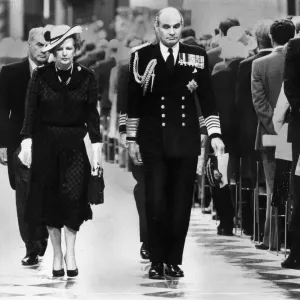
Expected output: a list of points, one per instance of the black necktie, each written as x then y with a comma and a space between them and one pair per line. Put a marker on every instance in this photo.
170, 61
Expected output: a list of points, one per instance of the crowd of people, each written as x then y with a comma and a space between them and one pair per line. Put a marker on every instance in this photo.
154, 104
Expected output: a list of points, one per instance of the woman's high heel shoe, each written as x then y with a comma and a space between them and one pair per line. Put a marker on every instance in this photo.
58, 273
71, 273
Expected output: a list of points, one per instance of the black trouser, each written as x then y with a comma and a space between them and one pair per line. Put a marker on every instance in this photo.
169, 192
295, 220
31, 236
224, 206
140, 200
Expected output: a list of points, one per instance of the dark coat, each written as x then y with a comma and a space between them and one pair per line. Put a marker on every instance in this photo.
292, 88
164, 119
102, 70
14, 79
224, 84
247, 118
214, 57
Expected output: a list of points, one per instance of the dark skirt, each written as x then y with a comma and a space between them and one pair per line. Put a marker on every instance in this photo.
59, 176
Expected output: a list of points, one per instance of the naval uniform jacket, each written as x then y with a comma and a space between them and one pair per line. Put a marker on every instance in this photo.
162, 115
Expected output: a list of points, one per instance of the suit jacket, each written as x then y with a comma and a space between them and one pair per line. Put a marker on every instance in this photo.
224, 84
14, 79
247, 118
214, 57
162, 116
292, 88
218, 66
266, 82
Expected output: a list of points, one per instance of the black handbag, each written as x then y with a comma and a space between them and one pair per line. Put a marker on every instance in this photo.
96, 188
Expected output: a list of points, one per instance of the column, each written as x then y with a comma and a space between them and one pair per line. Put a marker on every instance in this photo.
59, 12
16, 18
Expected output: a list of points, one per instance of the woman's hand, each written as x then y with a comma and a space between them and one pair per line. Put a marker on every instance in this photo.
25, 154
97, 163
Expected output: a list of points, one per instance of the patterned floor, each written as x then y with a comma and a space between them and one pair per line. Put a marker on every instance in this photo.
109, 264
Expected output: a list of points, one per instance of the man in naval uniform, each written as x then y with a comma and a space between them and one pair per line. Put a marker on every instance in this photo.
163, 133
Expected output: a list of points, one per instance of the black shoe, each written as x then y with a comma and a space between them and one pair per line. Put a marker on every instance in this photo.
30, 260
58, 273
291, 263
71, 273
43, 247
261, 247
157, 271
144, 252
173, 271
224, 231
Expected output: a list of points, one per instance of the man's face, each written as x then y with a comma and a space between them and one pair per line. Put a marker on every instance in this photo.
169, 28
35, 50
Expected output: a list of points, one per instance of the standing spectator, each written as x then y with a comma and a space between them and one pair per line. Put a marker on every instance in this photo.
224, 85
292, 92
12, 103
214, 54
267, 77
247, 118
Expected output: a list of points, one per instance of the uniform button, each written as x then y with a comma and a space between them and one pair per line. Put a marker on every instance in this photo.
163, 124
162, 98
183, 115
163, 115
182, 106
183, 98
183, 124
162, 106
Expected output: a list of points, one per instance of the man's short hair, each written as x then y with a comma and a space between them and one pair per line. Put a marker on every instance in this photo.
156, 22
34, 31
187, 32
282, 31
261, 32
228, 23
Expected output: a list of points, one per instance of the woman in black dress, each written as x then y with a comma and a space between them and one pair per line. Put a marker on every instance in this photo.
61, 107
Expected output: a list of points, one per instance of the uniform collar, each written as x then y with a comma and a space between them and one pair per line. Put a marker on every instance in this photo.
278, 49
165, 51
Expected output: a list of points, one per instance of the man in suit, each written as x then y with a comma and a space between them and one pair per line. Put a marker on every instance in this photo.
14, 79
214, 54
266, 82
292, 92
163, 133
247, 118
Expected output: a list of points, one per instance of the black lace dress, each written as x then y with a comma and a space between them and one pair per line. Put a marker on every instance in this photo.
58, 116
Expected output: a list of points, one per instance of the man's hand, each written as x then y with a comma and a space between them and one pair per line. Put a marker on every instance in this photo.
3, 156
218, 146
123, 141
134, 153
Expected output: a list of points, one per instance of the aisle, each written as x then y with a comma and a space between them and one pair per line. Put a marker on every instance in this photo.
110, 267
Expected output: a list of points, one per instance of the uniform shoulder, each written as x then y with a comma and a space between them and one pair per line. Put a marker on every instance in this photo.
141, 47
193, 49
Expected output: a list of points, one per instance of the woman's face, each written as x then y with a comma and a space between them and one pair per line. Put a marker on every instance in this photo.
65, 53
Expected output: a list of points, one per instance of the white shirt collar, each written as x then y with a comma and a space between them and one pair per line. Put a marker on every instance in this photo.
265, 50
278, 48
165, 51
32, 64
